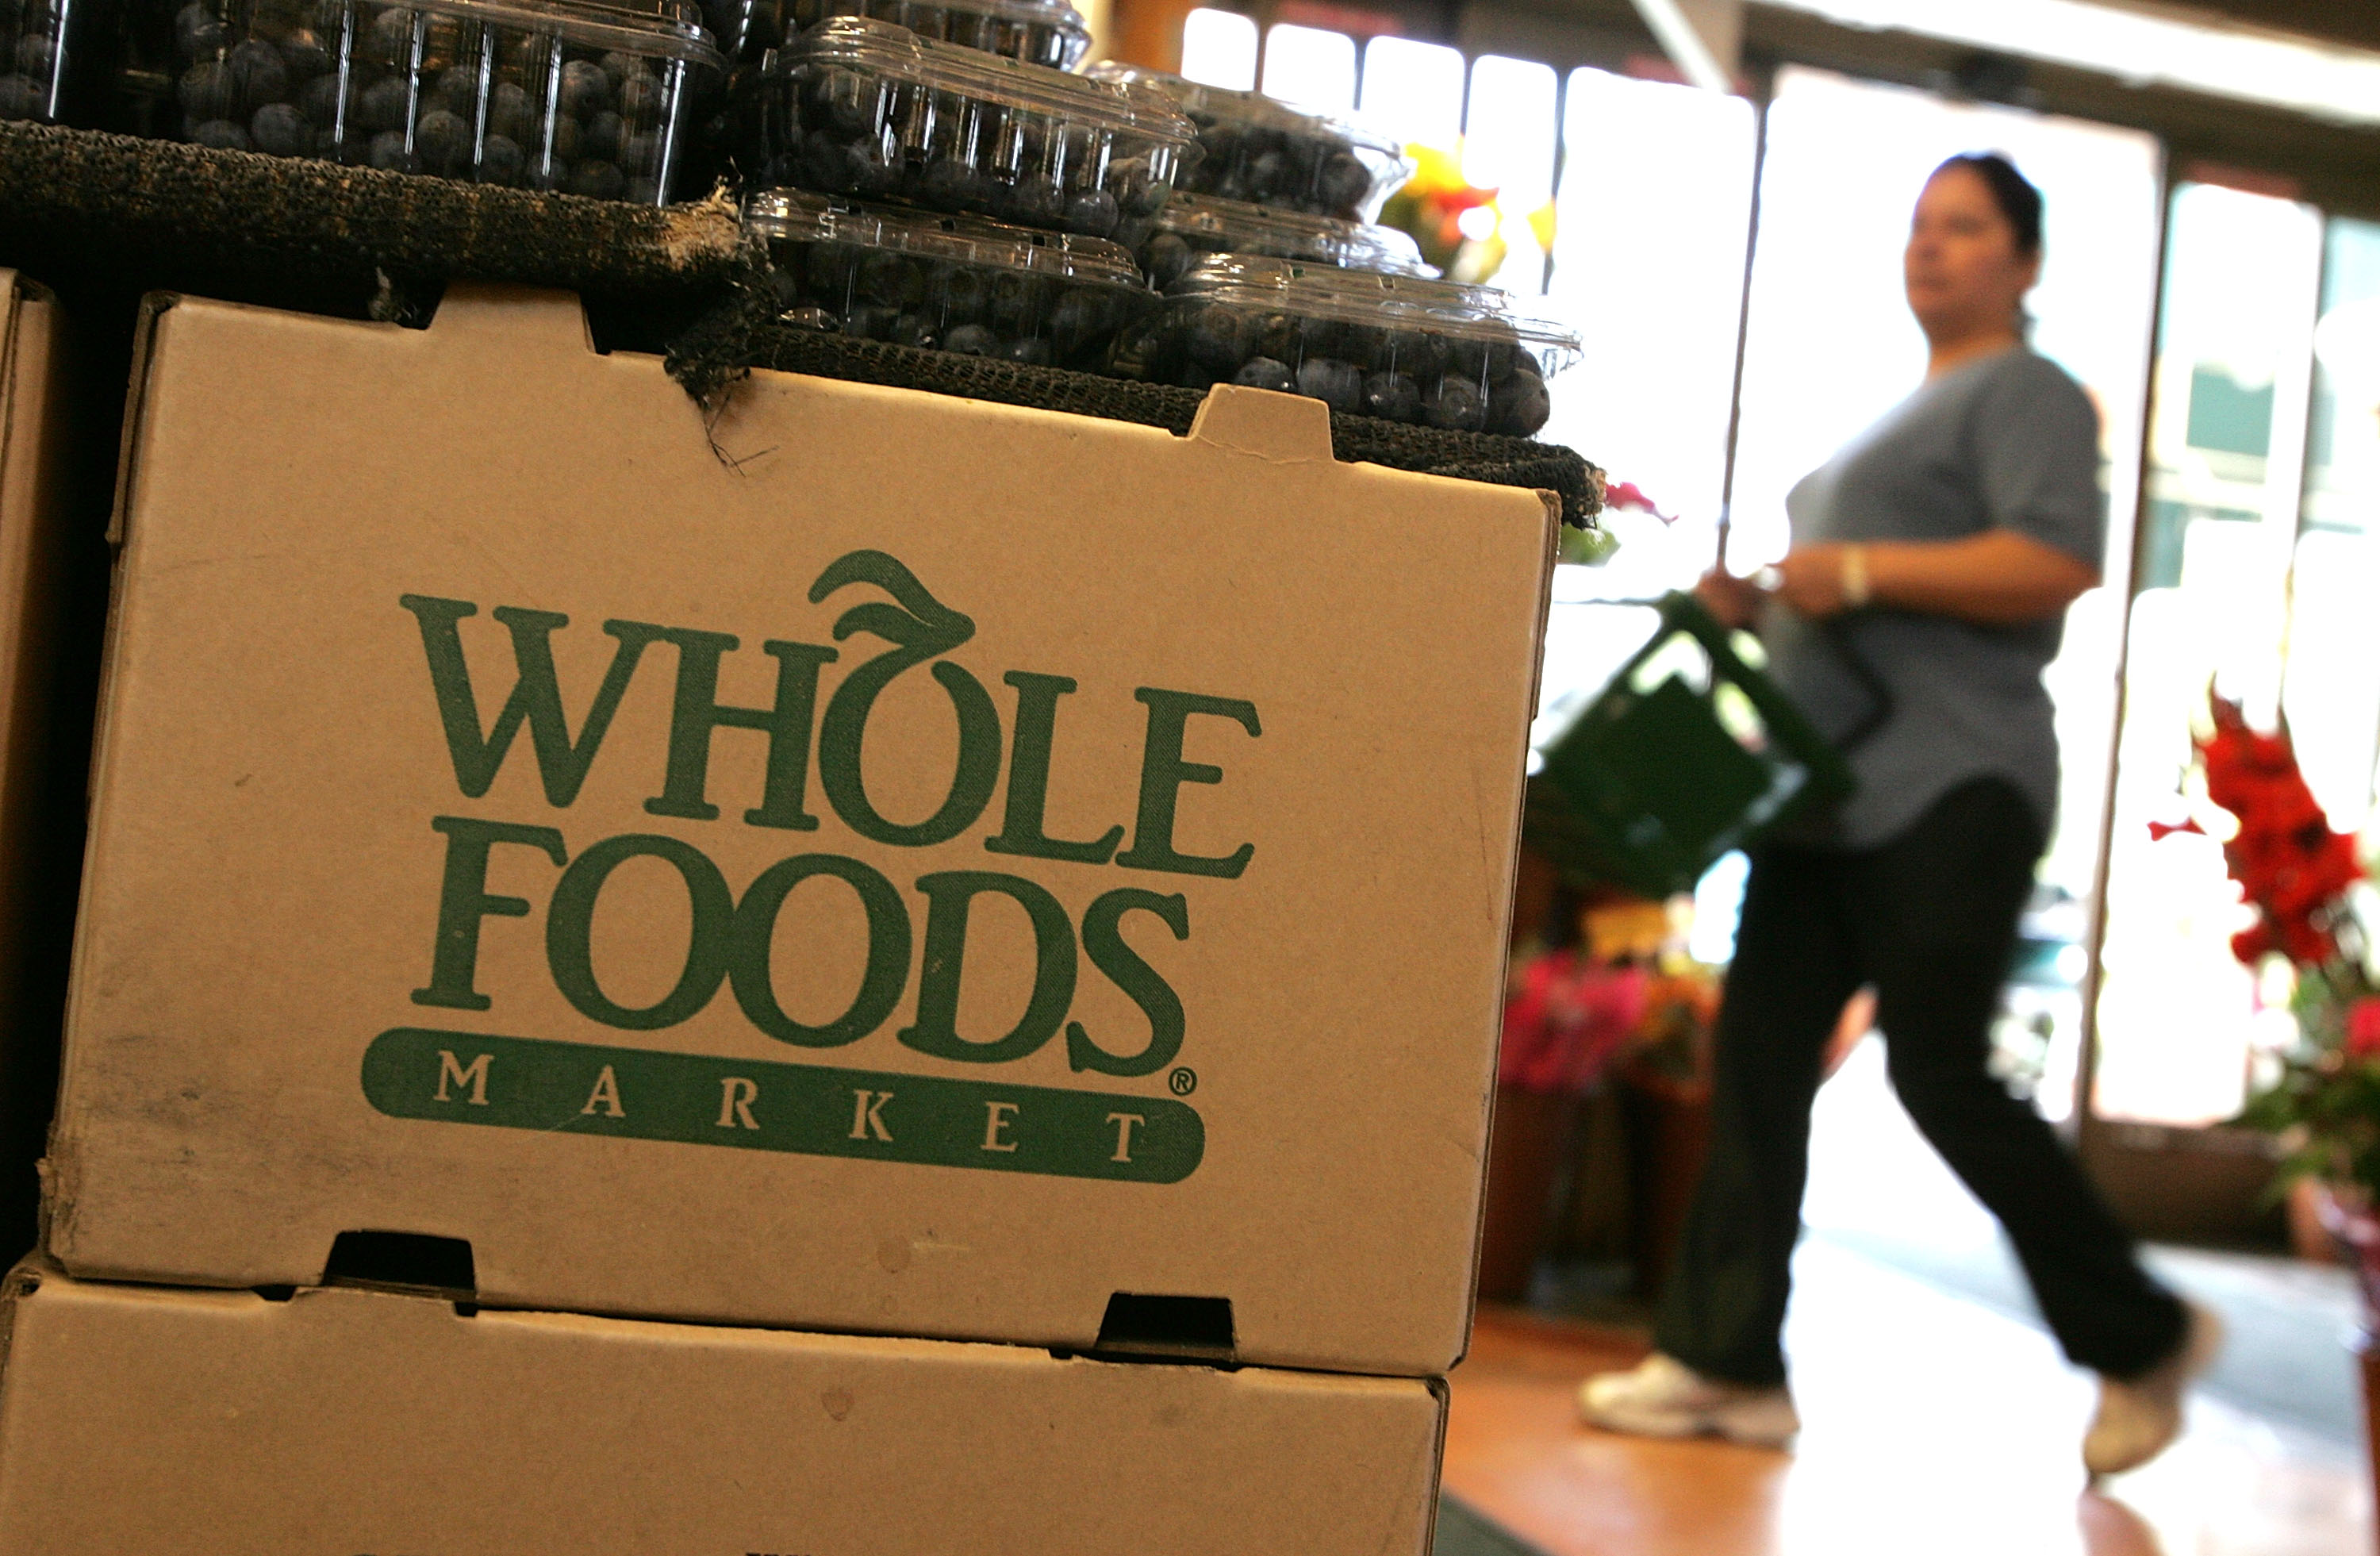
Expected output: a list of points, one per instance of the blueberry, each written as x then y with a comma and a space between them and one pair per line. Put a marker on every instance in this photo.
37, 55
1455, 405
640, 98
303, 52
1263, 373
22, 97
458, 91
866, 172
1268, 176
388, 152
971, 340
948, 183
1035, 202
892, 279
598, 179
601, 137
500, 160
1141, 190
1417, 353
566, 142
640, 155
382, 107
319, 101
205, 91
842, 101
1218, 337
198, 34
221, 134
1337, 384
912, 329
585, 89
1075, 322
1032, 350
281, 130
963, 295
1093, 212
392, 37
1167, 259
1392, 395
1519, 405
508, 113
1342, 183
644, 191
444, 141
829, 269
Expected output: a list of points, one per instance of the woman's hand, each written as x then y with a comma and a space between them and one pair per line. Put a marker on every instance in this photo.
1735, 601
1811, 579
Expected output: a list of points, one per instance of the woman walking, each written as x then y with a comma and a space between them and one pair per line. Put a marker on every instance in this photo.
1934, 559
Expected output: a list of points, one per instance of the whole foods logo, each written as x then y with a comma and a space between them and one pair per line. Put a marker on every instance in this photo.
545, 1084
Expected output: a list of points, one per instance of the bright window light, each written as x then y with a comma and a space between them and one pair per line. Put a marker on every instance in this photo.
1219, 48
2329, 82
1509, 142
1413, 91
1310, 67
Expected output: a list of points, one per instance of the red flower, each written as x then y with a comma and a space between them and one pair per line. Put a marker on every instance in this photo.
2363, 1027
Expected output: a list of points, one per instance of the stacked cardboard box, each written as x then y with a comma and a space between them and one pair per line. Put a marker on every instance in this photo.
986, 925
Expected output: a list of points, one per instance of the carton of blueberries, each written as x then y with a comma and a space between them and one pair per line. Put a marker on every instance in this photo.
1192, 226
1408, 348
565, 95
961, 284
861, 108
1268, 154
32, 40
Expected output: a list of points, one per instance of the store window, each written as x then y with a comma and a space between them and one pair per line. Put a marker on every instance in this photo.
1219, 48
1413, 91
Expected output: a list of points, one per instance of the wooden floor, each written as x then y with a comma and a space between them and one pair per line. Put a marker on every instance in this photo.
1931, 1425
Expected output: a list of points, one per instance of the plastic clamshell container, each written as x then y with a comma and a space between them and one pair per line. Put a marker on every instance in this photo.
866, 109
32, 48
1404, 347
543, 94
1266, 152
1192, 225
960, 283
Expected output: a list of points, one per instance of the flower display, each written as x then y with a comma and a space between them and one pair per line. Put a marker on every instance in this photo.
2300, 877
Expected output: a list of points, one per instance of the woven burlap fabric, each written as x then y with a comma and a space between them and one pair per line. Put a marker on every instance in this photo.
142, 215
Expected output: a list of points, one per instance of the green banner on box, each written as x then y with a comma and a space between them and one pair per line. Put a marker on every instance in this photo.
587, 1088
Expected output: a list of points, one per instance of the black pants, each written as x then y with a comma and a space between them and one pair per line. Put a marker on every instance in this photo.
1929, 919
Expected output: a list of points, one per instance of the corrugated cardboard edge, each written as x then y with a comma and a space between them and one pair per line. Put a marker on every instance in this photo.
60, 1163
1513, 866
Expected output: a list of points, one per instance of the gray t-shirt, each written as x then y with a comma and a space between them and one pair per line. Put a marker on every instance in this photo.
2007, 441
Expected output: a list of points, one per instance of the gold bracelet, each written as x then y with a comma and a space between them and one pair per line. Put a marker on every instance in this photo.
1854, 579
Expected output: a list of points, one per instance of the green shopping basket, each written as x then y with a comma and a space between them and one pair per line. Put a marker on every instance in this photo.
1687, 753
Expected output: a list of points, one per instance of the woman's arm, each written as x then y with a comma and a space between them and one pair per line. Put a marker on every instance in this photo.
1997, 578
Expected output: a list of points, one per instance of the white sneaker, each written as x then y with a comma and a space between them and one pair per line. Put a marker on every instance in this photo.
1663, 1397
2139, 1418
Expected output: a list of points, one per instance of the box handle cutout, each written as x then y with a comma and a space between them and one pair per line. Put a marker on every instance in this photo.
1179, 1326
406, 1261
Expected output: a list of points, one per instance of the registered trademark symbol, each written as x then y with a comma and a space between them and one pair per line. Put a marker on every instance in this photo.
1183, 1081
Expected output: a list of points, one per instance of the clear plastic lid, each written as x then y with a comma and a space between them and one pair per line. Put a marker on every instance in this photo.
1237, 128
1211, 224
896, 55
1050, 27
787, 215
1453, 308
657, 28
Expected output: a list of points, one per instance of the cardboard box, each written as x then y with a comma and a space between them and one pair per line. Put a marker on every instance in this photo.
36, 861
483, 849
144, 1418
